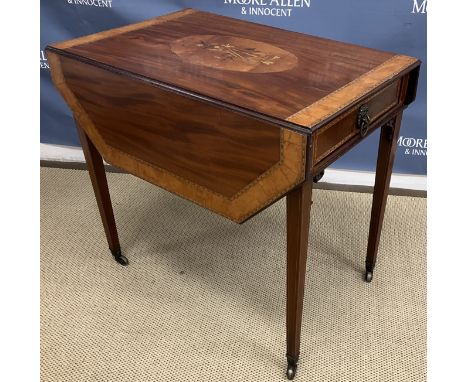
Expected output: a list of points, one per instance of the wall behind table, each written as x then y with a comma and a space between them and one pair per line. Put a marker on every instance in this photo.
394, 25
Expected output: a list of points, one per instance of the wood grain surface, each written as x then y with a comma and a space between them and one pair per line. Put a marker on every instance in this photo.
224, 161
323, 66
229, 114
354, 91
213, 148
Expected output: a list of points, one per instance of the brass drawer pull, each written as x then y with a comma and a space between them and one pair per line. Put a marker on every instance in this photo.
363, 120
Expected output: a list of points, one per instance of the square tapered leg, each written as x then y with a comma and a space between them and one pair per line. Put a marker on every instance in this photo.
387, 147
97, 174
298, 215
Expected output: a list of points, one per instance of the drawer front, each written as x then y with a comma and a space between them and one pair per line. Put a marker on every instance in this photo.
337, 133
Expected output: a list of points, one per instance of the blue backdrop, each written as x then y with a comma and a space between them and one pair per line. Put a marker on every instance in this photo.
394, 25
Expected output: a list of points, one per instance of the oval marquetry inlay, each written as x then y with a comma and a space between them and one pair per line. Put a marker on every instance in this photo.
233, 53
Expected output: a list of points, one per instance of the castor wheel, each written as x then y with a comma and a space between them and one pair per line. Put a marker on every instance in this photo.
369, 273
292, 368
291, 372
319, 176
121, 259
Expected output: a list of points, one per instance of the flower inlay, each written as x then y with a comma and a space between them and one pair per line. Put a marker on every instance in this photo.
233, 54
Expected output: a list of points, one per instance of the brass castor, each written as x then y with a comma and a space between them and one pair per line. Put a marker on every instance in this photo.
121, 259
369, 273
319, 176
292, 368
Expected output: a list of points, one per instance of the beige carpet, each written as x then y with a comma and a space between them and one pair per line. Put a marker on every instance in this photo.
204, 299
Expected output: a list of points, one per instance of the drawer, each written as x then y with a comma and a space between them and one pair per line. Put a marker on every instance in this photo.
341, 130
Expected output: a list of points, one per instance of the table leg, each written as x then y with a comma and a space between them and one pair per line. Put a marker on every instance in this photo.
298, 215
97, 174
387, 147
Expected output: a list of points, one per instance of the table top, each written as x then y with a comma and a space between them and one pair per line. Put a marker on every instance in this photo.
286, 76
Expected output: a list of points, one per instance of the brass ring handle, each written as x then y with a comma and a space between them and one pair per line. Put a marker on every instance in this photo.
363, 120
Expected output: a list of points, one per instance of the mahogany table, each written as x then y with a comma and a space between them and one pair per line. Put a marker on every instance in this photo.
233, 116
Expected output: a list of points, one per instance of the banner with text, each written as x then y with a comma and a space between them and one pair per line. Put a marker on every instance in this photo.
394, 25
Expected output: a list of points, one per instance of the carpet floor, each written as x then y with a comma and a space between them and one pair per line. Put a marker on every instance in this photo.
203, 299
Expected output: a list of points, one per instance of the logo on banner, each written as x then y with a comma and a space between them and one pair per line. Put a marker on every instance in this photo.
44, 63
413, 146
92, 3
275, 8
419, 6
